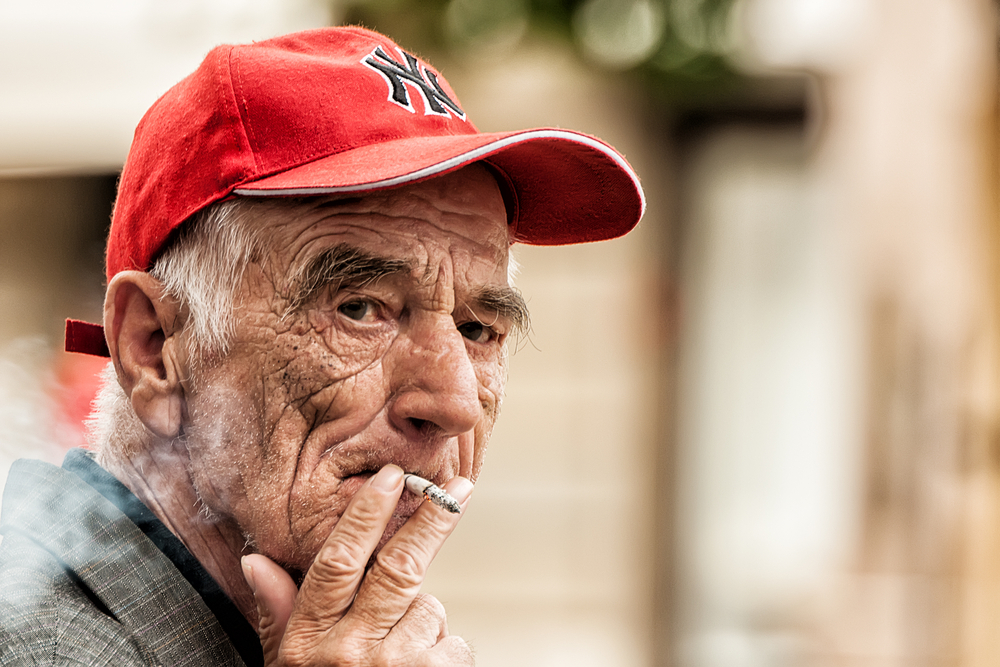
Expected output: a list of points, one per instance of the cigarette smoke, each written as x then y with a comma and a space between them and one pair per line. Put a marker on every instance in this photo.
30, 426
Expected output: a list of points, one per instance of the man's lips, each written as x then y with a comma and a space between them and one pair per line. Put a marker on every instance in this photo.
351, 484
368, 472
365, 463
364, 452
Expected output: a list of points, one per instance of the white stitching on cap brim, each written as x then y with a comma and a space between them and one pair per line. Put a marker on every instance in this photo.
457, 160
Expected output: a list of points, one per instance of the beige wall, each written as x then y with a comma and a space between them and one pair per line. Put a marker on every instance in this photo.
838, 483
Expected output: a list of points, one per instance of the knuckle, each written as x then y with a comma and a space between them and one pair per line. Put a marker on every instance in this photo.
428, 606
440, 523
400, 569
337, 562
326, 648
364, 511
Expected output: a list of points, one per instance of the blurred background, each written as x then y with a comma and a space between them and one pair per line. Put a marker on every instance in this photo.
760, 430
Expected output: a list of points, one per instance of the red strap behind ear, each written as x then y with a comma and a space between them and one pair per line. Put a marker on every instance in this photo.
86, 338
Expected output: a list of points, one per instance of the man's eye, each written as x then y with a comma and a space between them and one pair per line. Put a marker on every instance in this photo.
357, 310
477, 332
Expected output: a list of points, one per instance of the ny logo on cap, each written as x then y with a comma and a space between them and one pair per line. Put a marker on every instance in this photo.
436, 101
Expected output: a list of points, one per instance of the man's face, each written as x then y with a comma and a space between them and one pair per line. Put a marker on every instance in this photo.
373, 333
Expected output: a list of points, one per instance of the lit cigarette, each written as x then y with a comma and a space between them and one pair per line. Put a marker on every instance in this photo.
431, 492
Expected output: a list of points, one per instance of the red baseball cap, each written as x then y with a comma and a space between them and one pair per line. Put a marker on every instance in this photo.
343, 110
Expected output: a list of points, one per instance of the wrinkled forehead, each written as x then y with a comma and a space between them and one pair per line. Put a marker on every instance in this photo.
462, 212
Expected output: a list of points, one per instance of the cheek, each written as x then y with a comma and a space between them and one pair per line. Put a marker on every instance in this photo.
335, 347
492, 378
491, 373
315, 365
225, 438
313, 400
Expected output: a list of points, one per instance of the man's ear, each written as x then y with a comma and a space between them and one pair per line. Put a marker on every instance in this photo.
142, 330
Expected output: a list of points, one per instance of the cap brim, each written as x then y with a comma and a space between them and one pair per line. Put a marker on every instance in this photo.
569, 187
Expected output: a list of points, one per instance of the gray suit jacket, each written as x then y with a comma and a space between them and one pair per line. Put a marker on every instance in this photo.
80, 584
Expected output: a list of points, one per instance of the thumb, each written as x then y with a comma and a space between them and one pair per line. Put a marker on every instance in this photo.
275, 594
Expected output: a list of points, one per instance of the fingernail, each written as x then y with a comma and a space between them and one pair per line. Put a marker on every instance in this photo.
388, 478
248, 575
461, 490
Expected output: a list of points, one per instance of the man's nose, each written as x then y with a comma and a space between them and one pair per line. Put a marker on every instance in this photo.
433, 379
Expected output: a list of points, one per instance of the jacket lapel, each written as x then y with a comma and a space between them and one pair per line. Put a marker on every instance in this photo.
123, 568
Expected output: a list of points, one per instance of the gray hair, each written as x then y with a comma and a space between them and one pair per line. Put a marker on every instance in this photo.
202, 269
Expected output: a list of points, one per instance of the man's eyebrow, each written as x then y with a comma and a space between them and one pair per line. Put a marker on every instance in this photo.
345, 264
507, 303
338, 266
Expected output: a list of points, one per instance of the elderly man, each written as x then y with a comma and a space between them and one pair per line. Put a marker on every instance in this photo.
307, 297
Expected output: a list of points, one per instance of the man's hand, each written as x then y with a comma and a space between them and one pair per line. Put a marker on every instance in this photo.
341, 616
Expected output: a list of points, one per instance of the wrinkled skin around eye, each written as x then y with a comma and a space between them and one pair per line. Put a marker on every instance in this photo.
285, 429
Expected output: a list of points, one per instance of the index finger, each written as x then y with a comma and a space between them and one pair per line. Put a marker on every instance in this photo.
399, 569
332, 580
